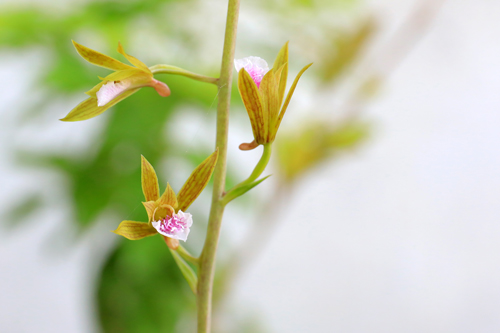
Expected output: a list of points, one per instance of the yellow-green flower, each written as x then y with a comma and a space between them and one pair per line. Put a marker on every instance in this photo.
262, 92
166, 213
115, 87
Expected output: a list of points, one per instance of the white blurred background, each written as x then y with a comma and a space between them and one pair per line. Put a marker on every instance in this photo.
401, 236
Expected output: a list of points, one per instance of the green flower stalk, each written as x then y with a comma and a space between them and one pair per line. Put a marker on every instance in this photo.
262, 91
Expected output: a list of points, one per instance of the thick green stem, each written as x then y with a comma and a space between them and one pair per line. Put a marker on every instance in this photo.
207, 258
173, 70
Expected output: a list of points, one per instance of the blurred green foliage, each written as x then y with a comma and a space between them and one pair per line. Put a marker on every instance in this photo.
24, 209
139, 288
344, 49
313, 144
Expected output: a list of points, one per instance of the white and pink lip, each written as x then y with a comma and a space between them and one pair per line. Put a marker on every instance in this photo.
175, 226
255, 66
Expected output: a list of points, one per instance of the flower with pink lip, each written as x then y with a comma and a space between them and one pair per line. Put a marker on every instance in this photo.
175, 226
123, 82
166, 212
262, 91
255, 66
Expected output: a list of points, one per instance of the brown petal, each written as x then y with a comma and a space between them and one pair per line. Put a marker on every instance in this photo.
269, 92
135, 230
149, 181
150, 209
253, 103
168, 197
197, 181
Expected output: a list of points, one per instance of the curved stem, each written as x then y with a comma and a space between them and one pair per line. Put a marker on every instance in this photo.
259, 168
207, 258
173, 70
186, 255
250, 182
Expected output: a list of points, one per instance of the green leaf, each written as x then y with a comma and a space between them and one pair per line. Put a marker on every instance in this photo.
140, 290
23, 210
239, 191
186, 270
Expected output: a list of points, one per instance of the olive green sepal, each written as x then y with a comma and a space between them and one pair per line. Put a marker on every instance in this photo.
196, 182
88, 108
135, 230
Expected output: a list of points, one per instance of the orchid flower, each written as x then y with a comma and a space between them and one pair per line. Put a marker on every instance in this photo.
262, 91
255, 66
166, 213
115, 87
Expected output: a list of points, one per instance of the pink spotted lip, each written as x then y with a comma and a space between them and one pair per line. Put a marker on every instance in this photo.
255, 66
110, 91
175, 226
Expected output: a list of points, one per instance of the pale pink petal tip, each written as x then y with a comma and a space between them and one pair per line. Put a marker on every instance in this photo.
255, 66
176, 226
110, 91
